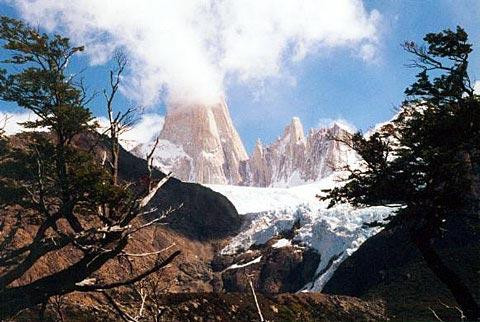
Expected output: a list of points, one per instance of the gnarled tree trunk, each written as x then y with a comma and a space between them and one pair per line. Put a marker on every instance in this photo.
452, 280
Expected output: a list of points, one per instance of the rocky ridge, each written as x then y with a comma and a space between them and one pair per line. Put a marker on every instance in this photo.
200, 144
206, 146
295, 159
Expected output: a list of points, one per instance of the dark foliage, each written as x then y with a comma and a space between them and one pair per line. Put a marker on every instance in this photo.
427, 160
72, 197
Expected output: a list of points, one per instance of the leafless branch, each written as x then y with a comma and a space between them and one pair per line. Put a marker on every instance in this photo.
162, 216
154, 190
149, 253
143, 296
259, 311
158, 266
150, 162
117, 309
3, 123
462, 315
435, 314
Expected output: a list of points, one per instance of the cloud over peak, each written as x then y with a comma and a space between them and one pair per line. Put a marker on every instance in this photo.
188, 49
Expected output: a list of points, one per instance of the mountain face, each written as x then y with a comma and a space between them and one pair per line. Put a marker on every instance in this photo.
200, 144
294, 159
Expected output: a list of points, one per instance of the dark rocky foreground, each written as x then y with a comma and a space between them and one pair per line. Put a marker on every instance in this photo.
389, 267
238, 307
193, 287
284, 307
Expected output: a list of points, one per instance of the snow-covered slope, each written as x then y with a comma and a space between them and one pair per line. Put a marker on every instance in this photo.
335, 233
168, 157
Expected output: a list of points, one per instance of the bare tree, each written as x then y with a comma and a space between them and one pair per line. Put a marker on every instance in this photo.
3, 123
75, 206
259, 310
144, 301
119, 122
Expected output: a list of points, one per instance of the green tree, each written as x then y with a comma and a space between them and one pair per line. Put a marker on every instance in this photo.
427, 160
76, 203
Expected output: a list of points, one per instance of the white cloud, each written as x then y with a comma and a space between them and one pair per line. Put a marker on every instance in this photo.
10, 122
146, 129
189, 48
368, 52
344, 124
148, 126
476, 87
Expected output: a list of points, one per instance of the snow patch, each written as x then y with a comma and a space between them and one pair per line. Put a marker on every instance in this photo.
282, 243
166, 156
335, 233
235, 266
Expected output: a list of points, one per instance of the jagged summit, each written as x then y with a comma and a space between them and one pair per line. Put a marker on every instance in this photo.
200, 143
295, 130
203, 145
294, 159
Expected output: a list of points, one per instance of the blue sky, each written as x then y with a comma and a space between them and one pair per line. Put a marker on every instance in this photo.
329, 83
340, 86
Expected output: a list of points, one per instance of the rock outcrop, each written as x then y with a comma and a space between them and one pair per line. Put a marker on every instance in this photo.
200, 213
294, 159
200, 144
278, 266
205, 145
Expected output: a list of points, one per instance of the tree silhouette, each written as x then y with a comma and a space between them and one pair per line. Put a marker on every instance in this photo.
75, 201
427, 160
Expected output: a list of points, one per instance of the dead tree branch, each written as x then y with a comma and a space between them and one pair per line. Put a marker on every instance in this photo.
259, 311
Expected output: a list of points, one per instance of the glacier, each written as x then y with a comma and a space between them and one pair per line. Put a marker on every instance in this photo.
335, 233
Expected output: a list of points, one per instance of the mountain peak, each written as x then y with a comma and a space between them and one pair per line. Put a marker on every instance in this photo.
294, 130
208, 137
200, 144
294, 159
